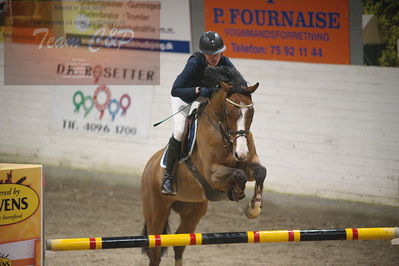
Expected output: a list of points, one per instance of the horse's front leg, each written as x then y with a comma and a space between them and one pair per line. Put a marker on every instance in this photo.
229, 179
257, 172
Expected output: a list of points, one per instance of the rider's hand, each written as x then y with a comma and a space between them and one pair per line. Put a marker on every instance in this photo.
206, 92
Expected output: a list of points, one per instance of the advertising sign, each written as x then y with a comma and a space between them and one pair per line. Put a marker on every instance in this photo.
21, 220
119, 111
82, 42
306, 31
175, 26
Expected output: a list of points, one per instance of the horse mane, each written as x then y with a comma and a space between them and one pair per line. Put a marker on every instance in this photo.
214, 75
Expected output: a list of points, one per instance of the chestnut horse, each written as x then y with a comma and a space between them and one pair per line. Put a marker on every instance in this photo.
222, 161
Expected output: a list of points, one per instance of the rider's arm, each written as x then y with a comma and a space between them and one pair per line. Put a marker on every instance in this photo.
181, 87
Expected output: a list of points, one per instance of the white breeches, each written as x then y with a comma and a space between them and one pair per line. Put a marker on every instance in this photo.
180, 118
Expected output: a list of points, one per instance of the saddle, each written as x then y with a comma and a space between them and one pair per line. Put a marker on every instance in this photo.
188, 139
189, 135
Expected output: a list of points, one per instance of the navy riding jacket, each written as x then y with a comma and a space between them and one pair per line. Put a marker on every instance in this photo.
192, 76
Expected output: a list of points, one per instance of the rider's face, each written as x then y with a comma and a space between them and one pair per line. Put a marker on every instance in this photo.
213, 59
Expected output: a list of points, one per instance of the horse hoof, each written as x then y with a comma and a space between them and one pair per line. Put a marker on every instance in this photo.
252, 213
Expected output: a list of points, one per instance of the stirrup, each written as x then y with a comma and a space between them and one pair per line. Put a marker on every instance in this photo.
167, 186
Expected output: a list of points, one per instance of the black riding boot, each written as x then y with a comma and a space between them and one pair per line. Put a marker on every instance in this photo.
172, 156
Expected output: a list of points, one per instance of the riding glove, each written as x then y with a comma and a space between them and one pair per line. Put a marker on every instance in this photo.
206, 92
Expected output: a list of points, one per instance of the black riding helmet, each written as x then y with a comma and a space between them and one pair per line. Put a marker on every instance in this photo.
211, 43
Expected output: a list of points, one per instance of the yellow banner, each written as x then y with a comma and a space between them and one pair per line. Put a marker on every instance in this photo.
21, 224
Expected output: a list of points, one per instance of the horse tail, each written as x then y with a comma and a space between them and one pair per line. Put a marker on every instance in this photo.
166, 230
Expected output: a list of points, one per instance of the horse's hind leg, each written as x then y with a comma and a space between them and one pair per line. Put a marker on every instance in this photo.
156, 219
190, 215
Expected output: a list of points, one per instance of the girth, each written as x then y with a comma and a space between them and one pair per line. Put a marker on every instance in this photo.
210, 193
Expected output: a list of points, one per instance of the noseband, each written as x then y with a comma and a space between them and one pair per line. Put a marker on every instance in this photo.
224, 129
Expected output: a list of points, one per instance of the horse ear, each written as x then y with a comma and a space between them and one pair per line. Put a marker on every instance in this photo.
253, 88
226, 87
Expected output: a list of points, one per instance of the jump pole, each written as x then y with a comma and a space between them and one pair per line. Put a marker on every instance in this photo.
380, 233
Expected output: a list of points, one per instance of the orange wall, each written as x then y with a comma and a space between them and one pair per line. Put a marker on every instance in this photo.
292, 30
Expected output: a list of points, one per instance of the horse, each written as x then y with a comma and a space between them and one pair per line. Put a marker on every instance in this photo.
223, 159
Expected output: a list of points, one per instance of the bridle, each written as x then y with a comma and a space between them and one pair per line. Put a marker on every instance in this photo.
223, 128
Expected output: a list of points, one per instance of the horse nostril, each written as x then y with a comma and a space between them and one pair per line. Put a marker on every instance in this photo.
238, 157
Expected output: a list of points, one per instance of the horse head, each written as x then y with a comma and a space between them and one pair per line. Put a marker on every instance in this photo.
233, 107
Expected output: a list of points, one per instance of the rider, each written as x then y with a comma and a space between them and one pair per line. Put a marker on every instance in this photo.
186, 89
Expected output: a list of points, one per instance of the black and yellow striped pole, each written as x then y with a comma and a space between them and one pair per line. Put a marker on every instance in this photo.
223, 238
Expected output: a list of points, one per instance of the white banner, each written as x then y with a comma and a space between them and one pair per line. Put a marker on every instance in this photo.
104, 110
175, 32
82, 42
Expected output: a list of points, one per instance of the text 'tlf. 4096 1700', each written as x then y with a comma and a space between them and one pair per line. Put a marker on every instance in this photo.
99, 128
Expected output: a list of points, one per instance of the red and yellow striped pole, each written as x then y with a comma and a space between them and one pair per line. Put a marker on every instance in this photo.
151, 241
